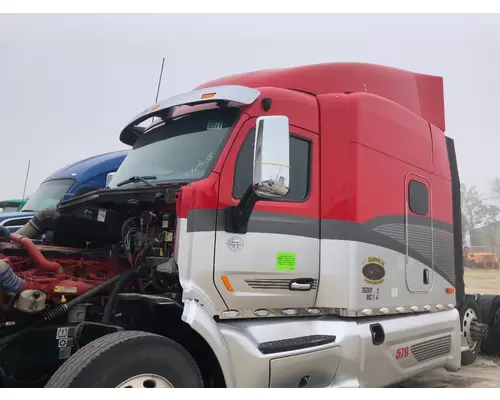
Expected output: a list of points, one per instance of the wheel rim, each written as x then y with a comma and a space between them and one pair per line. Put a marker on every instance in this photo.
469, 317
150, 381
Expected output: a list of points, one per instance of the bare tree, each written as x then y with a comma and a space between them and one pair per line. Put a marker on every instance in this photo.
476, 213
495, 187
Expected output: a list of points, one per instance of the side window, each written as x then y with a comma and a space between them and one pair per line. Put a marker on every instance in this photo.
300, 167
418, 198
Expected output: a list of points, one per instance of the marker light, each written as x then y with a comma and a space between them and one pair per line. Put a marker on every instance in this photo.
207, 95
230, 313
227, 284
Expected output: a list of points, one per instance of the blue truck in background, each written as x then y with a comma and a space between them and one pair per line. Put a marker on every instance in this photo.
73, 180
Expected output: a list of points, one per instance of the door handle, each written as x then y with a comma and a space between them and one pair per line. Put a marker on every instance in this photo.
301, 284
426, 276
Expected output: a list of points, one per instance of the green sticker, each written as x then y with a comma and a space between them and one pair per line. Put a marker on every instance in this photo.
286, 261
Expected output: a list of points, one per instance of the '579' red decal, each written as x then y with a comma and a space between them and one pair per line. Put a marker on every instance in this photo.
401, 353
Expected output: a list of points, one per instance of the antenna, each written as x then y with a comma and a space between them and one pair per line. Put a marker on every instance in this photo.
26, 180
159, 84
159, 80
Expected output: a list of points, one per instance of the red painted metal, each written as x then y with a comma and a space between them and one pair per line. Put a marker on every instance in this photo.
370, 125
35, 253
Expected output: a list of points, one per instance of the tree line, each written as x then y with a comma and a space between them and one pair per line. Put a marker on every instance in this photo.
476, 211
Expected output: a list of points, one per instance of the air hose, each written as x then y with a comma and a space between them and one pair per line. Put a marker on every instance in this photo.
108, 310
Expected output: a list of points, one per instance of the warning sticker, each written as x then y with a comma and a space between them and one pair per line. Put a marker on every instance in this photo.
101, 216
286, 261
64, 353
62, 343
62, 333
65, 289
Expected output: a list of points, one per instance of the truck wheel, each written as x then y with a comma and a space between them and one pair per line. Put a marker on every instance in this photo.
469, 313
488, 345
129, 359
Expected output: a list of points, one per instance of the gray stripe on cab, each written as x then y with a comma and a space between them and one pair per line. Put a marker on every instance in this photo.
386, 231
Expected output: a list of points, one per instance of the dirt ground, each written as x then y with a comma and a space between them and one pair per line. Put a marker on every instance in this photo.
485, 372
482, 281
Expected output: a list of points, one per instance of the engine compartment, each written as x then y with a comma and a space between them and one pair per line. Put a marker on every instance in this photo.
97, 250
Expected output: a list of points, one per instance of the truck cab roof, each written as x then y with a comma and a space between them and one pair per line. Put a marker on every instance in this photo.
419, 93
89, 167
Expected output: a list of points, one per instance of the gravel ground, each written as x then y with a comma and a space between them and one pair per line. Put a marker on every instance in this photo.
485, 372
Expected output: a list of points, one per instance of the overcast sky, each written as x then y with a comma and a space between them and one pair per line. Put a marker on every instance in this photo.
69, 83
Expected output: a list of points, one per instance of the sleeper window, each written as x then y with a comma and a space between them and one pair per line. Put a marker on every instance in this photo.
418, 198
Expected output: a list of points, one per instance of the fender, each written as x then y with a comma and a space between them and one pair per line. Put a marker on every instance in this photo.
198, 319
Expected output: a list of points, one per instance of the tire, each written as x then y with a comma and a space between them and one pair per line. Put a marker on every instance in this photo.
488, 345
111, 360
468, 308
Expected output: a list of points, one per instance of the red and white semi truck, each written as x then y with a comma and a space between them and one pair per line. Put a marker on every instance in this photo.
294, 227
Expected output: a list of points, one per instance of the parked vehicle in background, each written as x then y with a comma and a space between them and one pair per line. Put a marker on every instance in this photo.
480, 257
12, 205
73, 180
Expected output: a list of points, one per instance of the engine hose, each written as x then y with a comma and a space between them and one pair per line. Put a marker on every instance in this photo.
35, 253
108, 310
63, 308
40, 223
9, 281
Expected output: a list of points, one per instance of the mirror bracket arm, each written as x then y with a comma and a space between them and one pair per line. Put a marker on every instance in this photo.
237, 217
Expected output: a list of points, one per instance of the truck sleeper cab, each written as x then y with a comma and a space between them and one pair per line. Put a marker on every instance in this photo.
315, 228
73, 180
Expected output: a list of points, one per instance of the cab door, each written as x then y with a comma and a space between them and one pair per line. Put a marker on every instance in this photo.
275, 265
419, 234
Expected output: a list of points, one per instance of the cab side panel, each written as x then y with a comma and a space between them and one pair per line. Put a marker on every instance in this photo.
365, 247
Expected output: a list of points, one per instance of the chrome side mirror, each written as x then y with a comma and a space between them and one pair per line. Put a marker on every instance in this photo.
271, 168
109, 178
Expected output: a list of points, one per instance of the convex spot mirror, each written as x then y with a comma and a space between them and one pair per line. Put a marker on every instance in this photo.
109, 178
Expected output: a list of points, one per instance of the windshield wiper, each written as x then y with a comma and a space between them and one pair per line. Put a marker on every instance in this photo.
143, 179
27, 211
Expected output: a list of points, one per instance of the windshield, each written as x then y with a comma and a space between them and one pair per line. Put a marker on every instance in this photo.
183, 148
10, 205
48, 194
8, 209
